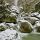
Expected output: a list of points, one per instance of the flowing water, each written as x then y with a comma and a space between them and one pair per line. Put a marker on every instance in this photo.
26, 36
15, 2
23, 36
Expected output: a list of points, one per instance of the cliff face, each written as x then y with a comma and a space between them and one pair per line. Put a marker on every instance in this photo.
28, 5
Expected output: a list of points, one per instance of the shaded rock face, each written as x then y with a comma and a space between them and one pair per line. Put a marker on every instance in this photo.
25, 27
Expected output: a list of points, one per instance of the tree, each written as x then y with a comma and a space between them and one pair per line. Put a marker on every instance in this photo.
3, 8
37, 7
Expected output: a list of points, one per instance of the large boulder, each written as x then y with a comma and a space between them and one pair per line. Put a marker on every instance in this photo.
25, 26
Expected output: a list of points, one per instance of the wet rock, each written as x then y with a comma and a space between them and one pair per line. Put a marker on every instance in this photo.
11, 25
4, 26
9, 35
38, 16
37, 26
25, 26
32, 20
34, 14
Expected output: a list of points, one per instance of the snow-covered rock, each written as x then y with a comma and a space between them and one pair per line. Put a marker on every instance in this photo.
9, 35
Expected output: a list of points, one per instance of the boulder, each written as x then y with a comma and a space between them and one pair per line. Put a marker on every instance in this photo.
25, 26
32, 20
34, 14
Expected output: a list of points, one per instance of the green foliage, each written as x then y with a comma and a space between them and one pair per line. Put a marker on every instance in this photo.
2, 28
8, 19
37, 7
26, 8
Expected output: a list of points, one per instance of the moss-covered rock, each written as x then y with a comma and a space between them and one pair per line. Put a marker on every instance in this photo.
25, 27
8, 19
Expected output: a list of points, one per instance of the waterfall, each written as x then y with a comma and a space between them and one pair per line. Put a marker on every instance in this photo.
15, 2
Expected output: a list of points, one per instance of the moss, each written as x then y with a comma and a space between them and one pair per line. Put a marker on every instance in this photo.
37, 7
8, 19
2, 28
26, 8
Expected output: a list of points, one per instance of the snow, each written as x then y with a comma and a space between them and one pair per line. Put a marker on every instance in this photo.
9, 35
